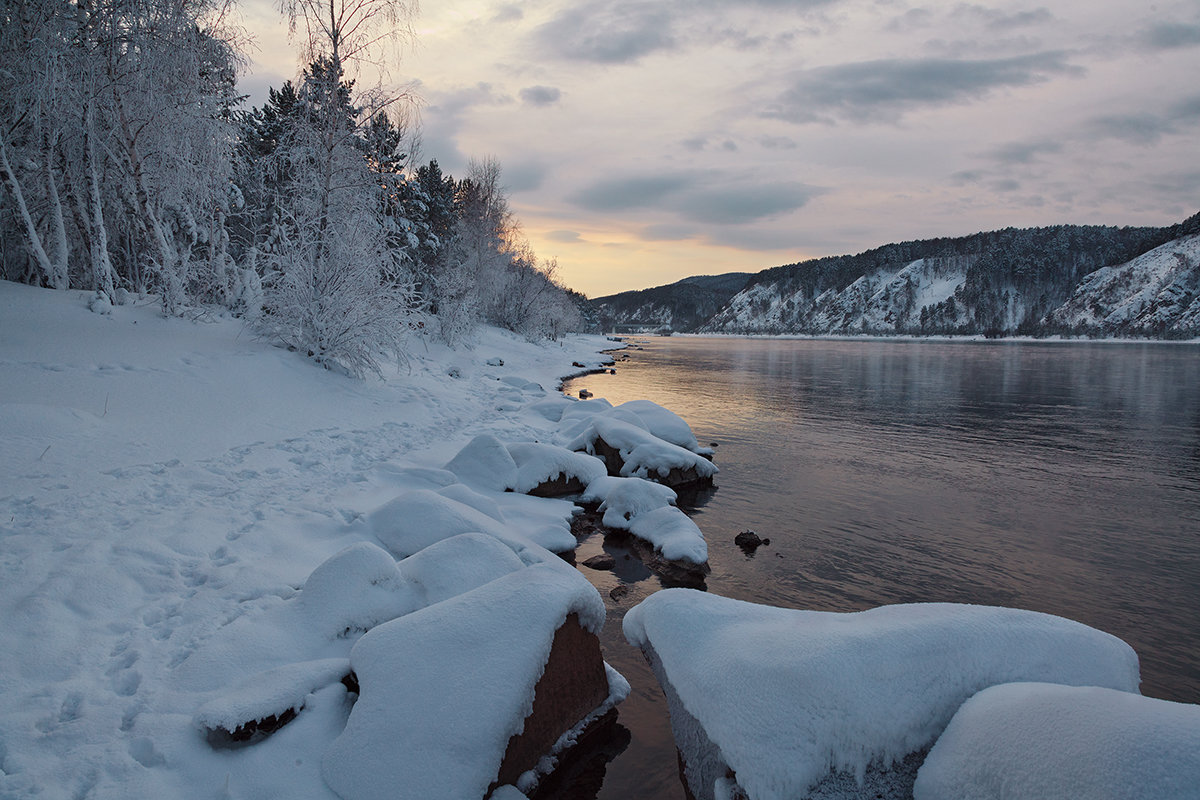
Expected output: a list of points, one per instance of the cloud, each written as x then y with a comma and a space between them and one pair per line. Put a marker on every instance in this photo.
445, 115
540, 95
564, 237
668, 232
732, 205
777, 142
608, 32
614, 194
995, 19
1146, 128
625, 31
508, 13
1023, 152
524, 176
710, 198
1171, 36
886, 89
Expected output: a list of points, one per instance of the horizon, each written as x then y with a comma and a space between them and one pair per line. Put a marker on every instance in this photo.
643, 143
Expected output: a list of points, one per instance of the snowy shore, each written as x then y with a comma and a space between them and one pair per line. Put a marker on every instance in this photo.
176, 496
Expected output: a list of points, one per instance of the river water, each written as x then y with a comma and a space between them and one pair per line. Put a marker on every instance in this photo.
1058, 477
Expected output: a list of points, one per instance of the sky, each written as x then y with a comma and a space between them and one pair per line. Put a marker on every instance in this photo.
643, 141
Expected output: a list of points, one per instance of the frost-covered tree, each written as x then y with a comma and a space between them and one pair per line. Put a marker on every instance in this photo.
338, 284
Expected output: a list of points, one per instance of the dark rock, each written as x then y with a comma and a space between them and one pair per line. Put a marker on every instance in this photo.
619, 592
573, 685
578, 365
581, 769
603, 561
748, 540
250, 732
560, 485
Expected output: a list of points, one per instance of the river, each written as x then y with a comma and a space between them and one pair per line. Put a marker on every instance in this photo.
1061, 477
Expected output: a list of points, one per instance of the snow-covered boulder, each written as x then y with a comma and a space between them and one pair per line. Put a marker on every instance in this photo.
354, 590
632, 451
470, 693
545, 470
485, 463
786, 699
647, 510
664, 423
415, 520
1026, 740
454, 566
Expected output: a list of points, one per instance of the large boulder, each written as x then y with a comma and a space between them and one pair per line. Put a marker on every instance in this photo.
781, 704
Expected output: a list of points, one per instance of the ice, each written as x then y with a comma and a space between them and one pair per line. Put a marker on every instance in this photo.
538, 463
445, 688
782, 696
1052, 742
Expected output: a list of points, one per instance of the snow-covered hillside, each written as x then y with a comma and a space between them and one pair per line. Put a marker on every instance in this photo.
167, 487
884, 301
1154, 294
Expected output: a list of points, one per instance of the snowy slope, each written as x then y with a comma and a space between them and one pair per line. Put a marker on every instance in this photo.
1155, 293
1030, 282
166, 487
884, 301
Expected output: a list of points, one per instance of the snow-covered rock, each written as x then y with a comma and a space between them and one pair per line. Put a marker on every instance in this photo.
444, 690
647, 510
354, 590
485, 463
1051, 742
271, 694
417, 519
546, 469
664, 423
783, 697
454, 566
631, 451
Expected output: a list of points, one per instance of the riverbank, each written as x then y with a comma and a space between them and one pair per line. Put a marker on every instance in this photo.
168, 483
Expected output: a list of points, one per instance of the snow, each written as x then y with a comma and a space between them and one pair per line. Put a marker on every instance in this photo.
270, 693
354, 590
1061, 743
416, 519
646, 510
442, 731
485, 463
643, 454
538, 463
184, 507
663, 423
784, 696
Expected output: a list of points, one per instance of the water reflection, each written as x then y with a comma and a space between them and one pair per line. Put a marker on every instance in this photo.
1060, 477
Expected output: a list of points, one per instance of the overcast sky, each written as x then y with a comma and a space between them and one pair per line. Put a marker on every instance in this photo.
643, 141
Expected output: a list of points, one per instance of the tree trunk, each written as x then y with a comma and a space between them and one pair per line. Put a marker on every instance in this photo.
35, 240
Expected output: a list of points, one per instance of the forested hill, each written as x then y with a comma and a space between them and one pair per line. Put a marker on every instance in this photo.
1067, 279
684, 305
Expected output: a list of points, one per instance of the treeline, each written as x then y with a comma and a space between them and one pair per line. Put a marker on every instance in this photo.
130, 168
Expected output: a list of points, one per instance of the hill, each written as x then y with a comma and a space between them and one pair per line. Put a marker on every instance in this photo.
1067, 279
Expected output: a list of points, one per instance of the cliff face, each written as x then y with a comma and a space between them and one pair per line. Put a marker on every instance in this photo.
1100, 281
